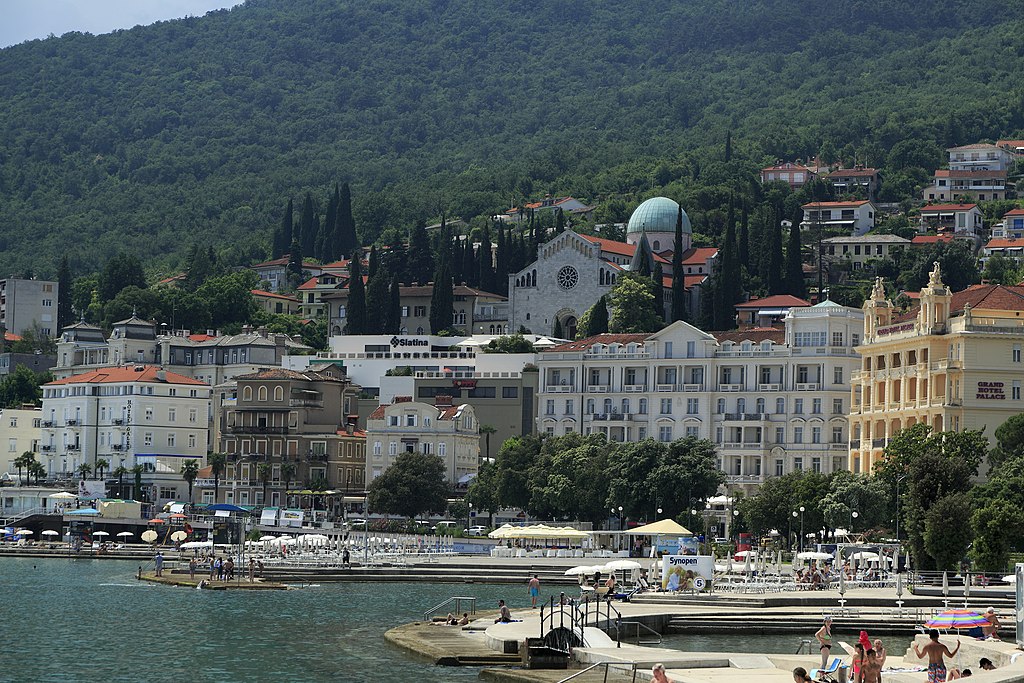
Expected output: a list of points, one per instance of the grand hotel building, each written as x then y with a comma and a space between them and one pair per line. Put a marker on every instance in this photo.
953, 361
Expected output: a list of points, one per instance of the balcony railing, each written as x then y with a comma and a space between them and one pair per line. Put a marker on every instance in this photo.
257, 429
693, 387
117, 447
730, 387
117, 421
744, 478
760, 417
634, 388
305, 403
47, 424
559, 388
597, 388
769, 387
665, 387
72, 423
612, 417
808, 386
47, 448
854, 444
878, 443
743, 444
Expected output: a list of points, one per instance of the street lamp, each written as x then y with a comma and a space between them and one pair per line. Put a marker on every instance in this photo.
791, 527
853, 515
802, 508
898, 480
735, 520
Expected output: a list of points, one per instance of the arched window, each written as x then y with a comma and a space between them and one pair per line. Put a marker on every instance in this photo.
341, 310
780, 405
247, 394
760, 406
261, 394
720, 406
607, 406
741, 405
278, 393
625, 406
590, 406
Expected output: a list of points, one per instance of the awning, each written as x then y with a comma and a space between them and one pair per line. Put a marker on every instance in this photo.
665, 527
84, 511
466, 478
176, 508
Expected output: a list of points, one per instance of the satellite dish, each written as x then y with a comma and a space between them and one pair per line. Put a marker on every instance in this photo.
149, 536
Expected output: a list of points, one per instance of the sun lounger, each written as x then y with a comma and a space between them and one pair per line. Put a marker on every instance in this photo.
821, 674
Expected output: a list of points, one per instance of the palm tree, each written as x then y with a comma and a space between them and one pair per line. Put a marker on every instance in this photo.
218, 463
263, 474
137, 470
189, 472
36, 469
24, 461
102, 465
487, 430
84, 470
119, 473
288, 472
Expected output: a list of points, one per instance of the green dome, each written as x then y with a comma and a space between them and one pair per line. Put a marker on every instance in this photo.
657, 214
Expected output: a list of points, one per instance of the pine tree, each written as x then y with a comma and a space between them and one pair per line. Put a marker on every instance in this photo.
485, 267
442, 299
393, 313
659, 290
502, 263
728, 145
283, 235
65, 316
197, 267
377, 298
308, 226
421, 260
346, 243
678, 279
794, 283
356, 320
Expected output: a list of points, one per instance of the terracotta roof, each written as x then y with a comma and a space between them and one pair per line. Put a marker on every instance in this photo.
285, 374
930, 239
853, 172
698, 256
983, 297
755, 334
605, 338
173, 278
1014, 212
128, 373
310, 283
976, 145
688, 280
283, 261
776, 301
947, 173
378, 412
539, 205
273, 295
201, 337
620, 248
1010, 143
1004, 242
935, 208
359, 433
788, 166
835, 205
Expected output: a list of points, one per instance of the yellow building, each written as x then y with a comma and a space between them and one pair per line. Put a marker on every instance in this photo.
952, 362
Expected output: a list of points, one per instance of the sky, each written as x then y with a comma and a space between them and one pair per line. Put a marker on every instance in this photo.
29, 19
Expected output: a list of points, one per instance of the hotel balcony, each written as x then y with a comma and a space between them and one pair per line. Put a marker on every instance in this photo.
634, 388
256, 429
747, 417
808, 386
692, 387
744, 478
744, 445
730, 387
612, 417
597, 388
559, 388
769, 387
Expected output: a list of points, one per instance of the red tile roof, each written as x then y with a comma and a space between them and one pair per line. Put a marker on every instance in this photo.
310, 283
285, 374
283, 261
930, 239
173, 278
853, 172
688, 280
755, 335
698, 256
605, 338
1014, 212
934, 208
980, 297
1014, 144
946, 173
273, 295
776, 301
1004, 242
201, 337
128, 373
834, 205
620, 248
788, 166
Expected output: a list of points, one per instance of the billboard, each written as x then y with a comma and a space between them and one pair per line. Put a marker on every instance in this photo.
291, 517
686, 572
677, 545
90, 489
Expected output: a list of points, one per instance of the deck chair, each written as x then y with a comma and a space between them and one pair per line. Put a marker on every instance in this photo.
824, 674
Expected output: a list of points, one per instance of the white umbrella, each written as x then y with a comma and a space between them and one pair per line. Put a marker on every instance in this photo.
49, 532
63, 495
193, 545
126, 534
24, 532
945, 584
842, 583
967, 588
728, 565
622, 565
746, 562
148, 535
814, 555
267, 539
100, 533
1010, 578
864, 556
179, 536
746, 553
584, 570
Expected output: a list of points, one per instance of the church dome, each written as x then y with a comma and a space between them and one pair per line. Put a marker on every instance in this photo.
657, 214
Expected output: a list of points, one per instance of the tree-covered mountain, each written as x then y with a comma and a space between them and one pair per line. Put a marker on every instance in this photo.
197, 130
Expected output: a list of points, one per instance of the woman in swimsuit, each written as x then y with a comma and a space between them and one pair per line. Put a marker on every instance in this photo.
824, 636
858, 661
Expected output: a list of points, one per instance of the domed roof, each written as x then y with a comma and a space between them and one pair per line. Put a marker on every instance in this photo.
657, 214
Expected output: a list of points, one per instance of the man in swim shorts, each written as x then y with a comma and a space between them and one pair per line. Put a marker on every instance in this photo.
934, 651
534, 585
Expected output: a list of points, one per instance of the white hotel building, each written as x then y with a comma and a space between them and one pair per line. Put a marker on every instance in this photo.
774, 400
127, 415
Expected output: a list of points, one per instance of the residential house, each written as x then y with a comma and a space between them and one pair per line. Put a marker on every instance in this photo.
273, 303
768, 311
19, 432
854, 217
25, 304
858, 182
858, 251
960, 219
1012, 225
795, 175
977, 172
569, 205
274, 274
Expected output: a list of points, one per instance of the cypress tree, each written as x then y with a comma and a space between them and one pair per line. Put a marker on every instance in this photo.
794, 283
283, 235
470, 272
535, 237
372, 263
397, 261
393, 313
744, 245
346, 242
308, 226
557, 332
329, 229
377, 299
598, 317
65, 316
295, 263
678, 278
485, 267
502, 263
559, 221
659, 291
356, 321
442, 299
728, 288
421, 259
728, 145
773, 257
708, 296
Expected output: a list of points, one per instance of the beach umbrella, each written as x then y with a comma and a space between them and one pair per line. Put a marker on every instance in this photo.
267, 539
622, 565
179, 536
63, 495
125, 534
899, 585
728, 565
957, 619
584, 570
967, 588
49, 532
814, 555
148, 535
842, 583
864, 556
100, 533
945, 584
24, 532
746, 563
1010, 578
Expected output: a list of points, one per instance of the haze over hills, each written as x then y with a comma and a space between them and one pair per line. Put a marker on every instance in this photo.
196, 130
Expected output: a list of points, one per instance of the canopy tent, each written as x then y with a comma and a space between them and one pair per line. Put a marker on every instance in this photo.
538, 531
63, 495
665, 527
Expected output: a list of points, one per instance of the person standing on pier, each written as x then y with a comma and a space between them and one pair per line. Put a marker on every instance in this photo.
824, 636
159, 562
534, 586
935, 651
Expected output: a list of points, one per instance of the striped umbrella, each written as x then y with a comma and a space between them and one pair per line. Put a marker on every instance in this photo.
957, 618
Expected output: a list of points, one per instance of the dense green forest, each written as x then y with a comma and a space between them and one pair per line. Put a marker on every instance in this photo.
198, 130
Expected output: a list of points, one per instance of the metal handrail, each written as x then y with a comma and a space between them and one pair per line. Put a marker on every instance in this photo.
457, 600
631, 666
640, 625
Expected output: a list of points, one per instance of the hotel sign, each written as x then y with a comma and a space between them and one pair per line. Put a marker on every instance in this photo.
895, 329
991, 390
405, 341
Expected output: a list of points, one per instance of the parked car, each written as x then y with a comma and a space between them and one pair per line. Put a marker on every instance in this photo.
442, 526
357, 522
475, 531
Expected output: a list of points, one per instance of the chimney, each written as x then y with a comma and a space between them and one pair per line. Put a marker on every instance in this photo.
161, 375
443, 401
351, 423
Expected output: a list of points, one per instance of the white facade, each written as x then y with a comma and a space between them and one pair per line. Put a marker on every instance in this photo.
127, 415
26, 303
449, 432
857, 251
773, 401
855, 217
19, 432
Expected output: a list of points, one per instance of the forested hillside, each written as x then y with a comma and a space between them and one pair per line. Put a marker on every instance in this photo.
198, 130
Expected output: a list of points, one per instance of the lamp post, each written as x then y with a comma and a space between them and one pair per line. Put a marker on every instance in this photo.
853, 515
790, 537
802, 508
736, 533
898, 480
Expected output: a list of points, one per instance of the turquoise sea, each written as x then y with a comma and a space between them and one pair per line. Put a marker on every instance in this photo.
90, 620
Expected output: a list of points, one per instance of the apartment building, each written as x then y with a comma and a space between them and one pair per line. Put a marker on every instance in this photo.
1012, 225
959, 219
442, 428
857, 251
299, 425
19, 433
952, 362
858, 181
854, 218
28, 303
276, 304
794, 175
773, 400
127, 415
975, 171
